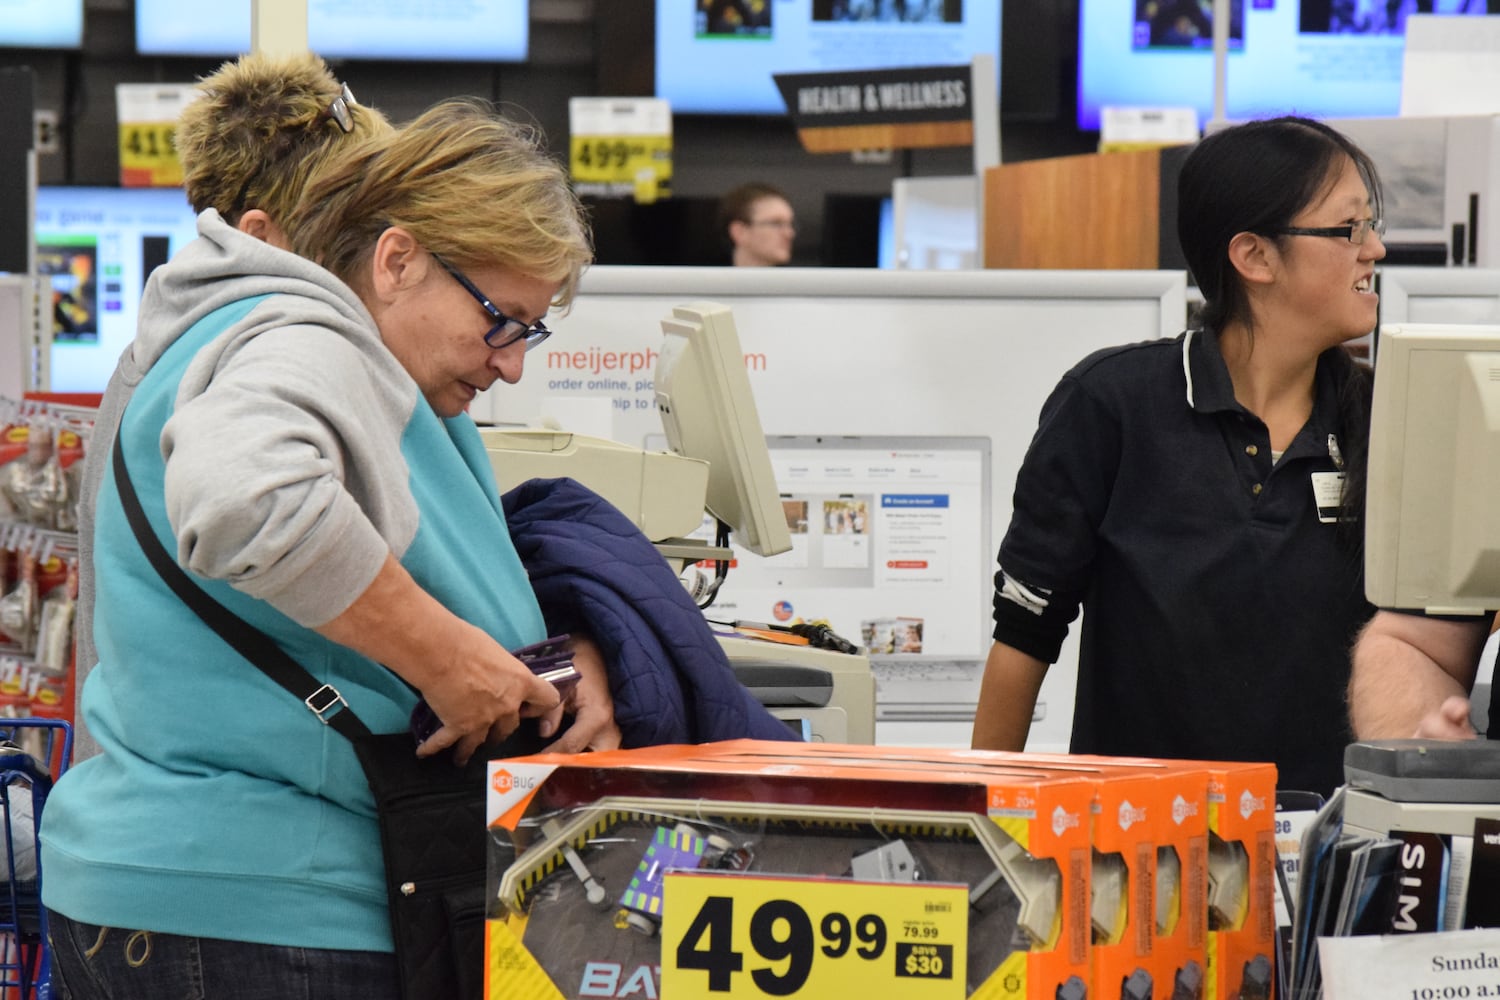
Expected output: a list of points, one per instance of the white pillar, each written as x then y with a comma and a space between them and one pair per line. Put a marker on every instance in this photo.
278, 27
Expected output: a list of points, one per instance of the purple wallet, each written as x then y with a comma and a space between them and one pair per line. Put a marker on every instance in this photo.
550, 659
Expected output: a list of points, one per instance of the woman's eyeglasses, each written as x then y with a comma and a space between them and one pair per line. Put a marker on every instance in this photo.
1355, 232
506, 331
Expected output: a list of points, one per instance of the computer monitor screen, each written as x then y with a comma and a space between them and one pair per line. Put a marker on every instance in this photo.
1439, 295
718, 58
476, 30
890, 544
41, 24
1310, 57
1432, 534
708, 412
96, 247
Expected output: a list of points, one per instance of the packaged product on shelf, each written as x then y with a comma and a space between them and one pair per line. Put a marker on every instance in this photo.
54, 642
615, 873
36, 487
7, 580
19, 605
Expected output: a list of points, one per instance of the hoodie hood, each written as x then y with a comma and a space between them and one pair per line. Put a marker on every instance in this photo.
222, 266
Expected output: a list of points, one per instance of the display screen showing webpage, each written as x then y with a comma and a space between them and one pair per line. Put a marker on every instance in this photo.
718, 58
369, 29
96, 247
1313, 57
890, 545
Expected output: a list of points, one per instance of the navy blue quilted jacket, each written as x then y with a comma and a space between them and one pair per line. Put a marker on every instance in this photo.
595, 573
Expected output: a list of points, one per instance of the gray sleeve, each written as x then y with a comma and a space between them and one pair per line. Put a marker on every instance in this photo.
284, 471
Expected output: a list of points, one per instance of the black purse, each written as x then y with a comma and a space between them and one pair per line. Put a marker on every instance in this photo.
431, 813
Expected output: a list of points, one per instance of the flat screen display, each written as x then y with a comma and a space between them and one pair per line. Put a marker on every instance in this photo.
1319, 58
96, 247
718, 56
890, 544
41, 24
438, 30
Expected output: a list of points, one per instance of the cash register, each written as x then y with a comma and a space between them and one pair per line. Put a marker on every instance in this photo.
717, 462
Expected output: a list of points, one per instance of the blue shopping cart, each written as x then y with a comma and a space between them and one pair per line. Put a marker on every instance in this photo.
33, 754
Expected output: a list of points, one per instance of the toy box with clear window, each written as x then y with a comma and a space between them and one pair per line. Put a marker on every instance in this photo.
588, 853
1150, 866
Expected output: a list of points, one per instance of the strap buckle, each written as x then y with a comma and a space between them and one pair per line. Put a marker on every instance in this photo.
324, 702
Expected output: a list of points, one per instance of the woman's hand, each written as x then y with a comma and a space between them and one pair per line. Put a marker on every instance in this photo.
481, 695
589, 703
478, 690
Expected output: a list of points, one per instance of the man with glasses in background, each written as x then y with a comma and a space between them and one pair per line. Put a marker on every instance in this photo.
760, 225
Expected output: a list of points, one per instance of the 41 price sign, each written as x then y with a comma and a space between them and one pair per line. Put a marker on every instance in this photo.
740, 937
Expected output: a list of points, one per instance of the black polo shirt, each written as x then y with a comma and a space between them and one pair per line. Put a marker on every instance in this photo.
1218, 610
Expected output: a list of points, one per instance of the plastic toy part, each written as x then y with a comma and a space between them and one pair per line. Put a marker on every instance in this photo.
1136, 986
1038, 885
679, 848
593, 891
1109, 899
1168, 889
1073, 989
1257, 982
891, 862
1228, 883
1188, 984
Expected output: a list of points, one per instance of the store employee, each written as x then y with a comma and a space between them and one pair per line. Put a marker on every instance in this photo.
1201, 497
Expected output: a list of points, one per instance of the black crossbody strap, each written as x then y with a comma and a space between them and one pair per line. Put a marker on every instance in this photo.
323, 700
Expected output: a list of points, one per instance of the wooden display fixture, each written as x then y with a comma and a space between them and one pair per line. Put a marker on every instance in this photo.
1095, 211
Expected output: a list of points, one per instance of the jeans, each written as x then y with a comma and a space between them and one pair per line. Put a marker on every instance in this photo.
110, 963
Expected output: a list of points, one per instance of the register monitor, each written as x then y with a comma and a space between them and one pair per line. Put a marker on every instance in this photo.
1432, 528
708, 412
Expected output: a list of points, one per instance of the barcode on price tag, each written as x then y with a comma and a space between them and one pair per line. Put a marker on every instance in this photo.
743, 937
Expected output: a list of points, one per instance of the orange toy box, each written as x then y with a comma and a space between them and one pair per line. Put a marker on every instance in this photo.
1241, 871
759, 868
1150, 867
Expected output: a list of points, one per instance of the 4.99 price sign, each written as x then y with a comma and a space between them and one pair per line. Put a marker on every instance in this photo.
741, 937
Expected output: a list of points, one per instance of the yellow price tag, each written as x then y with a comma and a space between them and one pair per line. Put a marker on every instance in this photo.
743, 937
631, 165
148, 155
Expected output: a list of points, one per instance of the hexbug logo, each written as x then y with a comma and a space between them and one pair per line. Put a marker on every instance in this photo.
1063, 820
1182, 809
504, 782
1130, 815
1250, 804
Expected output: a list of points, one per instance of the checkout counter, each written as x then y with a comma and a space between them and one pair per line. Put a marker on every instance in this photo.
826, 695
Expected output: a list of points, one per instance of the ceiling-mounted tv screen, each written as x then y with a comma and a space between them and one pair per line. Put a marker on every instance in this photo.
473, 31
41, 24
1318, 58
718, 56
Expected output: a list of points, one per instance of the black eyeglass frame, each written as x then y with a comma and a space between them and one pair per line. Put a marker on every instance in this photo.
532, 333
1362, 226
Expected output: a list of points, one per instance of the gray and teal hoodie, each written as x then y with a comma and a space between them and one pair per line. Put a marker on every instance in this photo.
281, 452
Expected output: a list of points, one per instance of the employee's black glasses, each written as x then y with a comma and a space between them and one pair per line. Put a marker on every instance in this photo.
1355, 232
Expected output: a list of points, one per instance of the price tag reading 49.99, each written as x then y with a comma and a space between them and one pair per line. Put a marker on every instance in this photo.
742, 937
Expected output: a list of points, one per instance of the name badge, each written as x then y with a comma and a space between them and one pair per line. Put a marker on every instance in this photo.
1328, 495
